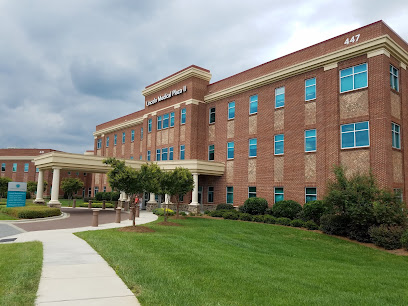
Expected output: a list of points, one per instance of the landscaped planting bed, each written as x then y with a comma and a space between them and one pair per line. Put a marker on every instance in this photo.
30, 212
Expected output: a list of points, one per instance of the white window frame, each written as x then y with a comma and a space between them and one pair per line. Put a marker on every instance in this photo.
123, 137
158, 154
171, 153
274, 193
183, 113
307, 86
250, 102
231, 107
341, 136
14, 168
107, 141
26, 167
307, 137
132, 135
213, 151
149, 155
353, 74
249, 147
172, 119
251, 192
183, 149
394, 132
276, 95
306, 194
233, 149
149, 125
226, 198
394, 76
274, 144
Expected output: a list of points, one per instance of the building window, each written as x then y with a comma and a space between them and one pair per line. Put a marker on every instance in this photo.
394, 77
3, 167
140, 157
132, 135
251, 192
107, 142
310, 89
149, 125
164, 153
141, 133
310, 140
165, 121
211, 152
252, 147
99, 143
148, 155
171, 153
396, 140
183, 116
115, 139
38, 170
159, 122
278, 194
123, 137
212, 115
353, 78
253, 104
182, 149
210, 197
84, 173
230, 195
69, 172
230, 150
158, 154
181, 198
14, 167
355, 135
231, 110
280, 97
171, 119
26, 165
89, 192
279, 144
311, 194
96, 190
104, 188
131, 157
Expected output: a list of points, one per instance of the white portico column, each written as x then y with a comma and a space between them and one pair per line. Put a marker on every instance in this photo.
40, 188
151, 204
55, 188
194, 206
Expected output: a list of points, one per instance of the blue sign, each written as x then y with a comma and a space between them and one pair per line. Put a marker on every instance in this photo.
16, 194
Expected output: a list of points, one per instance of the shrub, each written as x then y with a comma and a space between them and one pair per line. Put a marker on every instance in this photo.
297, 223
231, 215
386, 236
31, 212
287, 209
258, 218
99, 196
404, 240
310, 225
334, 224
254, 206
115, 195
96, 205
160, 212
87, 199
225, 207
28, 195
207, 212
283, 221
313, 210
217, 213
269, 219
245, 217
388, 209
182, 213
269, 211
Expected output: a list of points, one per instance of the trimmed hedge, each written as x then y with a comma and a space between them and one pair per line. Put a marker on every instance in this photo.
97, 205
297, 223
160, 212
245, 217
258, 218
386, 236
217, 213
231, 215
310, 225
269, 219
31, 212
286, 209
254, 206
283, 221
225, 207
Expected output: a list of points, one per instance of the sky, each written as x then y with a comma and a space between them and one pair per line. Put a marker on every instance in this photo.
69, 65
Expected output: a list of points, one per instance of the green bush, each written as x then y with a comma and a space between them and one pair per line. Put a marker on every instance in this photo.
283, 221
258, 218
269, 219
310, 225
387, 236
99, 196
313, 210
287, 209
96, 205
217, 213
207, 212
254, 206
160, 211
245, 217
182, 213
225, 207
115, 195
269, 211
297, 223
404, 240
28, 195
388, 209
334, 224
31, 212
231, 215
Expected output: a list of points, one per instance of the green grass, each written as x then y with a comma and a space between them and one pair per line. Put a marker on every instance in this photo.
223, 262
20, 271
4, 216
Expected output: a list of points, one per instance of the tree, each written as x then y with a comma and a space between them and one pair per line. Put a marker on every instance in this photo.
4, 185
32, 186
177, 183
71, 185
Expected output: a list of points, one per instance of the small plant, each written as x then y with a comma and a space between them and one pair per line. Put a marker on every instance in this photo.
310, 225
258, 218
297, 223
230, 215
183, 214
269, 219
404, 240
207, 212
386, 236
254, 206
287, 209
245, 217
191, 214
160, 212
283, 221
313, 210
225, 207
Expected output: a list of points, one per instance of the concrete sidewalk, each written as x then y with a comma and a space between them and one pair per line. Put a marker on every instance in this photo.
73, 273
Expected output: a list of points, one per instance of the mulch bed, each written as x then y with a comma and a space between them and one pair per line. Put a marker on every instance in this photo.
169, 223
136, 229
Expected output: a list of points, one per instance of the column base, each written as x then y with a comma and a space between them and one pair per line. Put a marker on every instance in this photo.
150, 206
54, 203
39, 201
194, 208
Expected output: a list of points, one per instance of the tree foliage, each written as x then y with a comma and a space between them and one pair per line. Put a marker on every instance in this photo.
71, 185
32, 186
4, 185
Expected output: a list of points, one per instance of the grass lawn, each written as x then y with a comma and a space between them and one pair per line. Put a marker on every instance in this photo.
225, 262
20, 271
6, 217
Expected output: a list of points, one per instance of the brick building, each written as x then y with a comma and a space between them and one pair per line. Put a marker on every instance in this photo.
278, 128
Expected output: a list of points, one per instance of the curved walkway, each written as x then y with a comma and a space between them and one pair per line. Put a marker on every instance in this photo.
74, 273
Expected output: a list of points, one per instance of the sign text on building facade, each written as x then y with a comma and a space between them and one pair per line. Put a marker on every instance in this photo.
166, 96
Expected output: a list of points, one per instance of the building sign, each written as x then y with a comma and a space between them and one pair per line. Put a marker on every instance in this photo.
16, 194
166, 96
